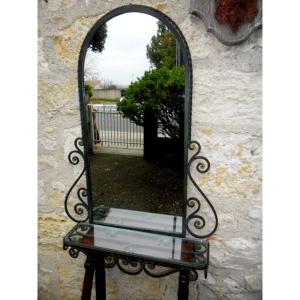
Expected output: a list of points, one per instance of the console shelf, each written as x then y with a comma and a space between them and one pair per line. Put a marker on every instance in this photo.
157, 249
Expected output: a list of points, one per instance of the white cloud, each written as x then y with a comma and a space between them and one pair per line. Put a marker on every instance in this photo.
124, 56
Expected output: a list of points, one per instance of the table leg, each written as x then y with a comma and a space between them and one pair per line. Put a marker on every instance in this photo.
100, 280
183, 286
88, 280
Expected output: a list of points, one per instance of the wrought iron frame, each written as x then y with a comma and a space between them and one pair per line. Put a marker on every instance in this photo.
83, 208
74, 158
75, 155
192, 219
187, 61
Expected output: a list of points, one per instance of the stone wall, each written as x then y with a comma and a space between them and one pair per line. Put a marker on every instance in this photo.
107, 94
226, 119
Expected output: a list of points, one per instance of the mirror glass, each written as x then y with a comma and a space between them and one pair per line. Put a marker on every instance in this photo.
134, 97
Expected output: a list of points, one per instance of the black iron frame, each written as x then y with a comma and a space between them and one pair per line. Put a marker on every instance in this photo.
85, 194
83, 208
187, 61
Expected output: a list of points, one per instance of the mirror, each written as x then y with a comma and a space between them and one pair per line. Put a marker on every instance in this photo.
134, 106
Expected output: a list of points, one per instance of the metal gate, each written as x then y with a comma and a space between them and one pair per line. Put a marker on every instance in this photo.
110, 130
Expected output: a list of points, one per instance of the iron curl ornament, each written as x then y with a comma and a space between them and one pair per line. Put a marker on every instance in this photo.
195, 218
72, 251
131, 266
81, 206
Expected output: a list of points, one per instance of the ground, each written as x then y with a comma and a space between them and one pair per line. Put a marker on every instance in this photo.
129, 182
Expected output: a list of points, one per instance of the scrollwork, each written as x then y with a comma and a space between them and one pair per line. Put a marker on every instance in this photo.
151, 270
74, 252
110, 261
81, 207
133, 266
130, 266
195, 218
193, 275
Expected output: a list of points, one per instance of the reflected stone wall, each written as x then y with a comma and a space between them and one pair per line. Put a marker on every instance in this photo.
226, 119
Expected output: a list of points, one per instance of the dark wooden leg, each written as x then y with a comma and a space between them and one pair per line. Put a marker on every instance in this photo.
183, 286
88, 280
100, 280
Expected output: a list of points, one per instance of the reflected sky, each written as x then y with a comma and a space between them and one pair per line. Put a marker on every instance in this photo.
124, 57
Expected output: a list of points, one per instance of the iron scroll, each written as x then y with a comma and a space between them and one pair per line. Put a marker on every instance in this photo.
81, 206
194, 221
196, 218
131, 266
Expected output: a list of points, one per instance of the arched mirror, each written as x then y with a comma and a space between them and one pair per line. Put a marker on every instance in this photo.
135, 94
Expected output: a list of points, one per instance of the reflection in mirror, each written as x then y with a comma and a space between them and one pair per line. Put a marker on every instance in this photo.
135, 85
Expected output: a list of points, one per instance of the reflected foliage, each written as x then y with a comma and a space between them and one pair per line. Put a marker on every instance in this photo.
162, 49
88, 90
137, 144
161, 91
98, 40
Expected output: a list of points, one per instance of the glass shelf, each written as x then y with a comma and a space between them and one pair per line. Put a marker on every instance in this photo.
149, 246
138, 220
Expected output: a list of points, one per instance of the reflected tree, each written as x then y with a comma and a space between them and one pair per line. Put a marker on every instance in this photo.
98, 40
159, 90
162, 48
